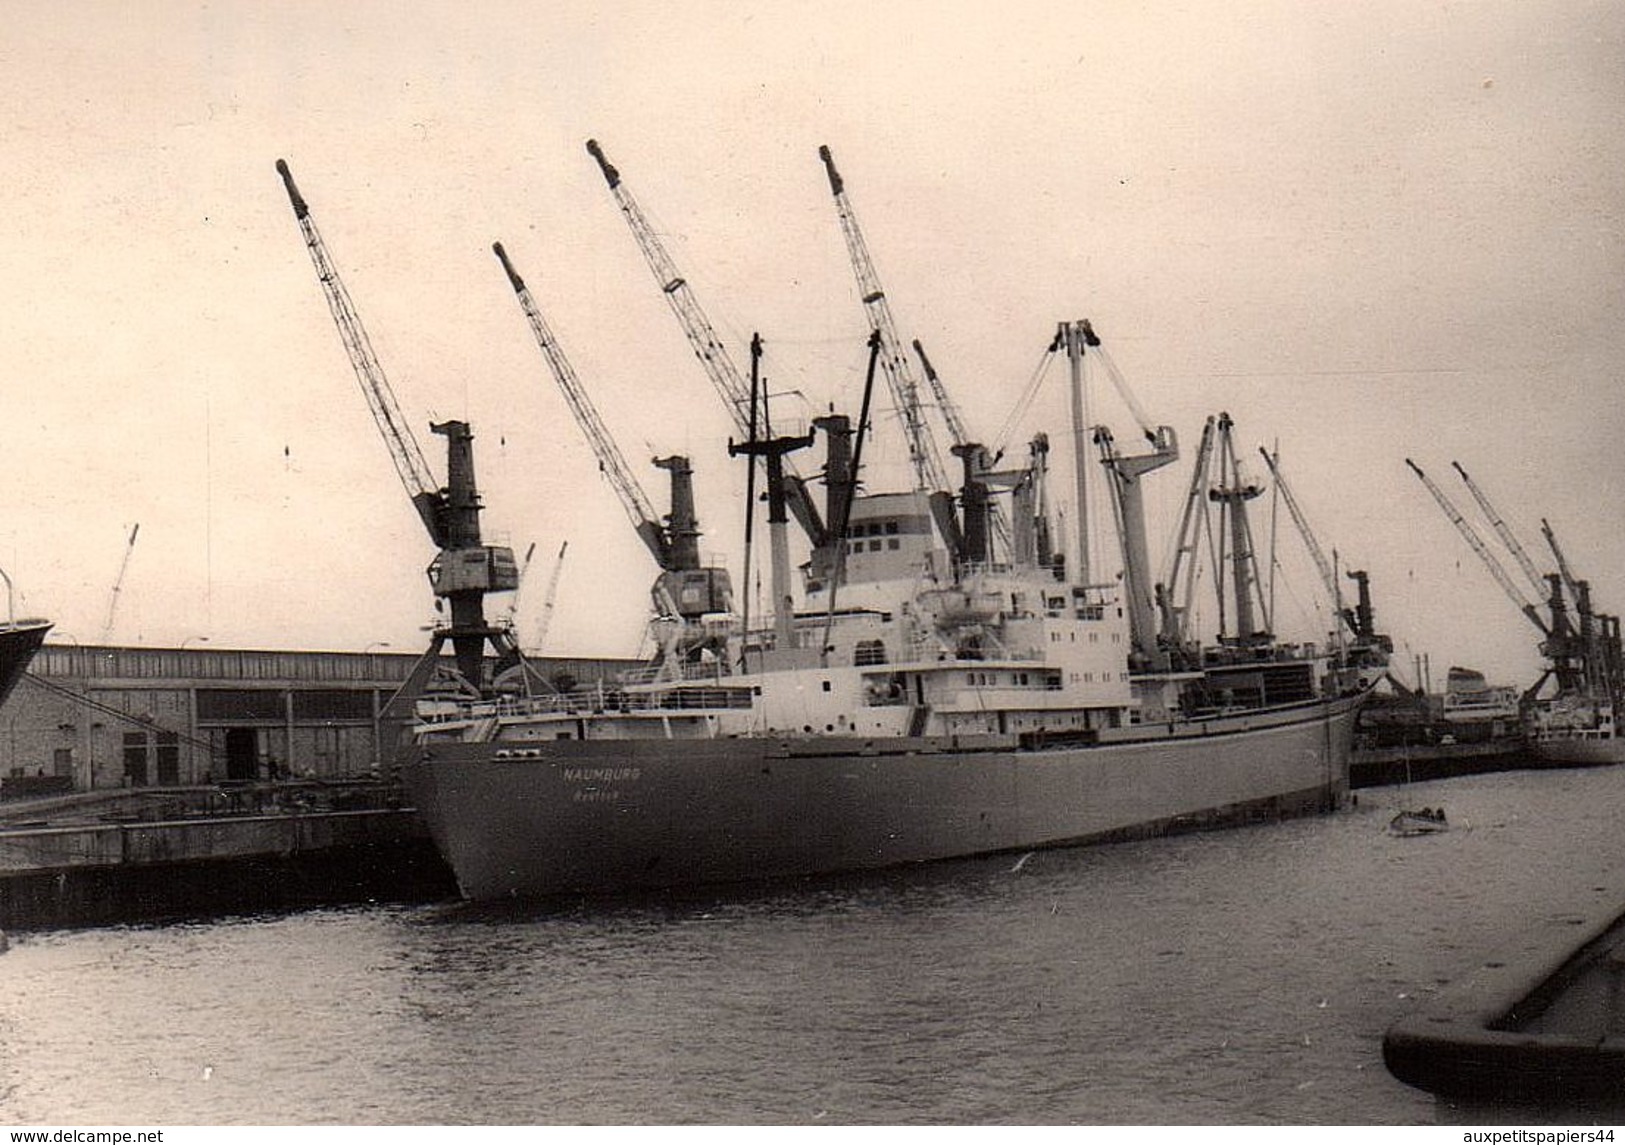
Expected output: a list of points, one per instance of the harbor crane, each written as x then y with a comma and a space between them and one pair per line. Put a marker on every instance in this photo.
702, 339
979, 473
1563, 569
118, 583
465, 569
684, 587
1502, 531
1477, 544
930, 476
1599, 637
950, 412
549, 597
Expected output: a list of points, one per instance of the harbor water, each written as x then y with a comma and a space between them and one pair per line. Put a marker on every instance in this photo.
1235, 977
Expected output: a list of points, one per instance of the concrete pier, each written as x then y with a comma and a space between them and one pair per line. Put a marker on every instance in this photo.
1533, 1034
87, 860
1387, 766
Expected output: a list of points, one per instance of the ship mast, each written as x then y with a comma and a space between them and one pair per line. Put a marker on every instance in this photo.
1232, 494
772, 450
1075, 336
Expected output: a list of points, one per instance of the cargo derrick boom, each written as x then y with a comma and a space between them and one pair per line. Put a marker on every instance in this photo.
1176, 594
465, 569
1328, 574
708, 348
929, 474
684, 587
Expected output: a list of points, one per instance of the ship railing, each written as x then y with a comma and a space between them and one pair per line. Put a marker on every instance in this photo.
598, 701
654, 674
968, 570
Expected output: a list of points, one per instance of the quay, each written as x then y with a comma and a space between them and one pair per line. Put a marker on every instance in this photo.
1535, 1033
140, 783
1392, 766
190, 852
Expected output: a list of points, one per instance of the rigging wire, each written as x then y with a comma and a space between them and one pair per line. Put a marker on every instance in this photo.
1024, 403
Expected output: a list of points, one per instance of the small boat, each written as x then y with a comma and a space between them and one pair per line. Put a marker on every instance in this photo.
1427, 821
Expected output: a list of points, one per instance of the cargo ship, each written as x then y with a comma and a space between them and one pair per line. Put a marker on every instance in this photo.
948, 686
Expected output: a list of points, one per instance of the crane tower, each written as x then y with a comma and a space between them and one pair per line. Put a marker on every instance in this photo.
465, 569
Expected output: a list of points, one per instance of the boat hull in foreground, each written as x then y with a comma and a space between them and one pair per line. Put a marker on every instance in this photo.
526, 819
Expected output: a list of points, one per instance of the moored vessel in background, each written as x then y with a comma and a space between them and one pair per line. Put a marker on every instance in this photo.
1569, 714
19, 641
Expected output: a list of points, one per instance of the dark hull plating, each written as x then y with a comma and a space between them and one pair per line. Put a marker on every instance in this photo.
19, 642
560, 816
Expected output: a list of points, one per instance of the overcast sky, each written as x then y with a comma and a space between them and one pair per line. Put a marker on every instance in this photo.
1369, 232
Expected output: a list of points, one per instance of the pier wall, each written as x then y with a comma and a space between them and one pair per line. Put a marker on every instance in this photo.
89, 873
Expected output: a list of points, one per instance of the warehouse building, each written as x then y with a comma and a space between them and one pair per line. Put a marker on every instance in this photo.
88, 717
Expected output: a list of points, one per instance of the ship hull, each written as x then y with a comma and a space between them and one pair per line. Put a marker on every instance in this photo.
1579, 751
566, 816
19, 641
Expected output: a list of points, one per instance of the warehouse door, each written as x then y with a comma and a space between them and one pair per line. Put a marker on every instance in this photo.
135, 759
242, 753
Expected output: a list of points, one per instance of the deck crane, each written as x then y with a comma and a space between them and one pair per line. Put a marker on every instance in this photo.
708, 348
118, 583
1128, 508
465, 569
1502, 531
1176, 593
684, 588
929, 474
1484, 554
1370, 647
